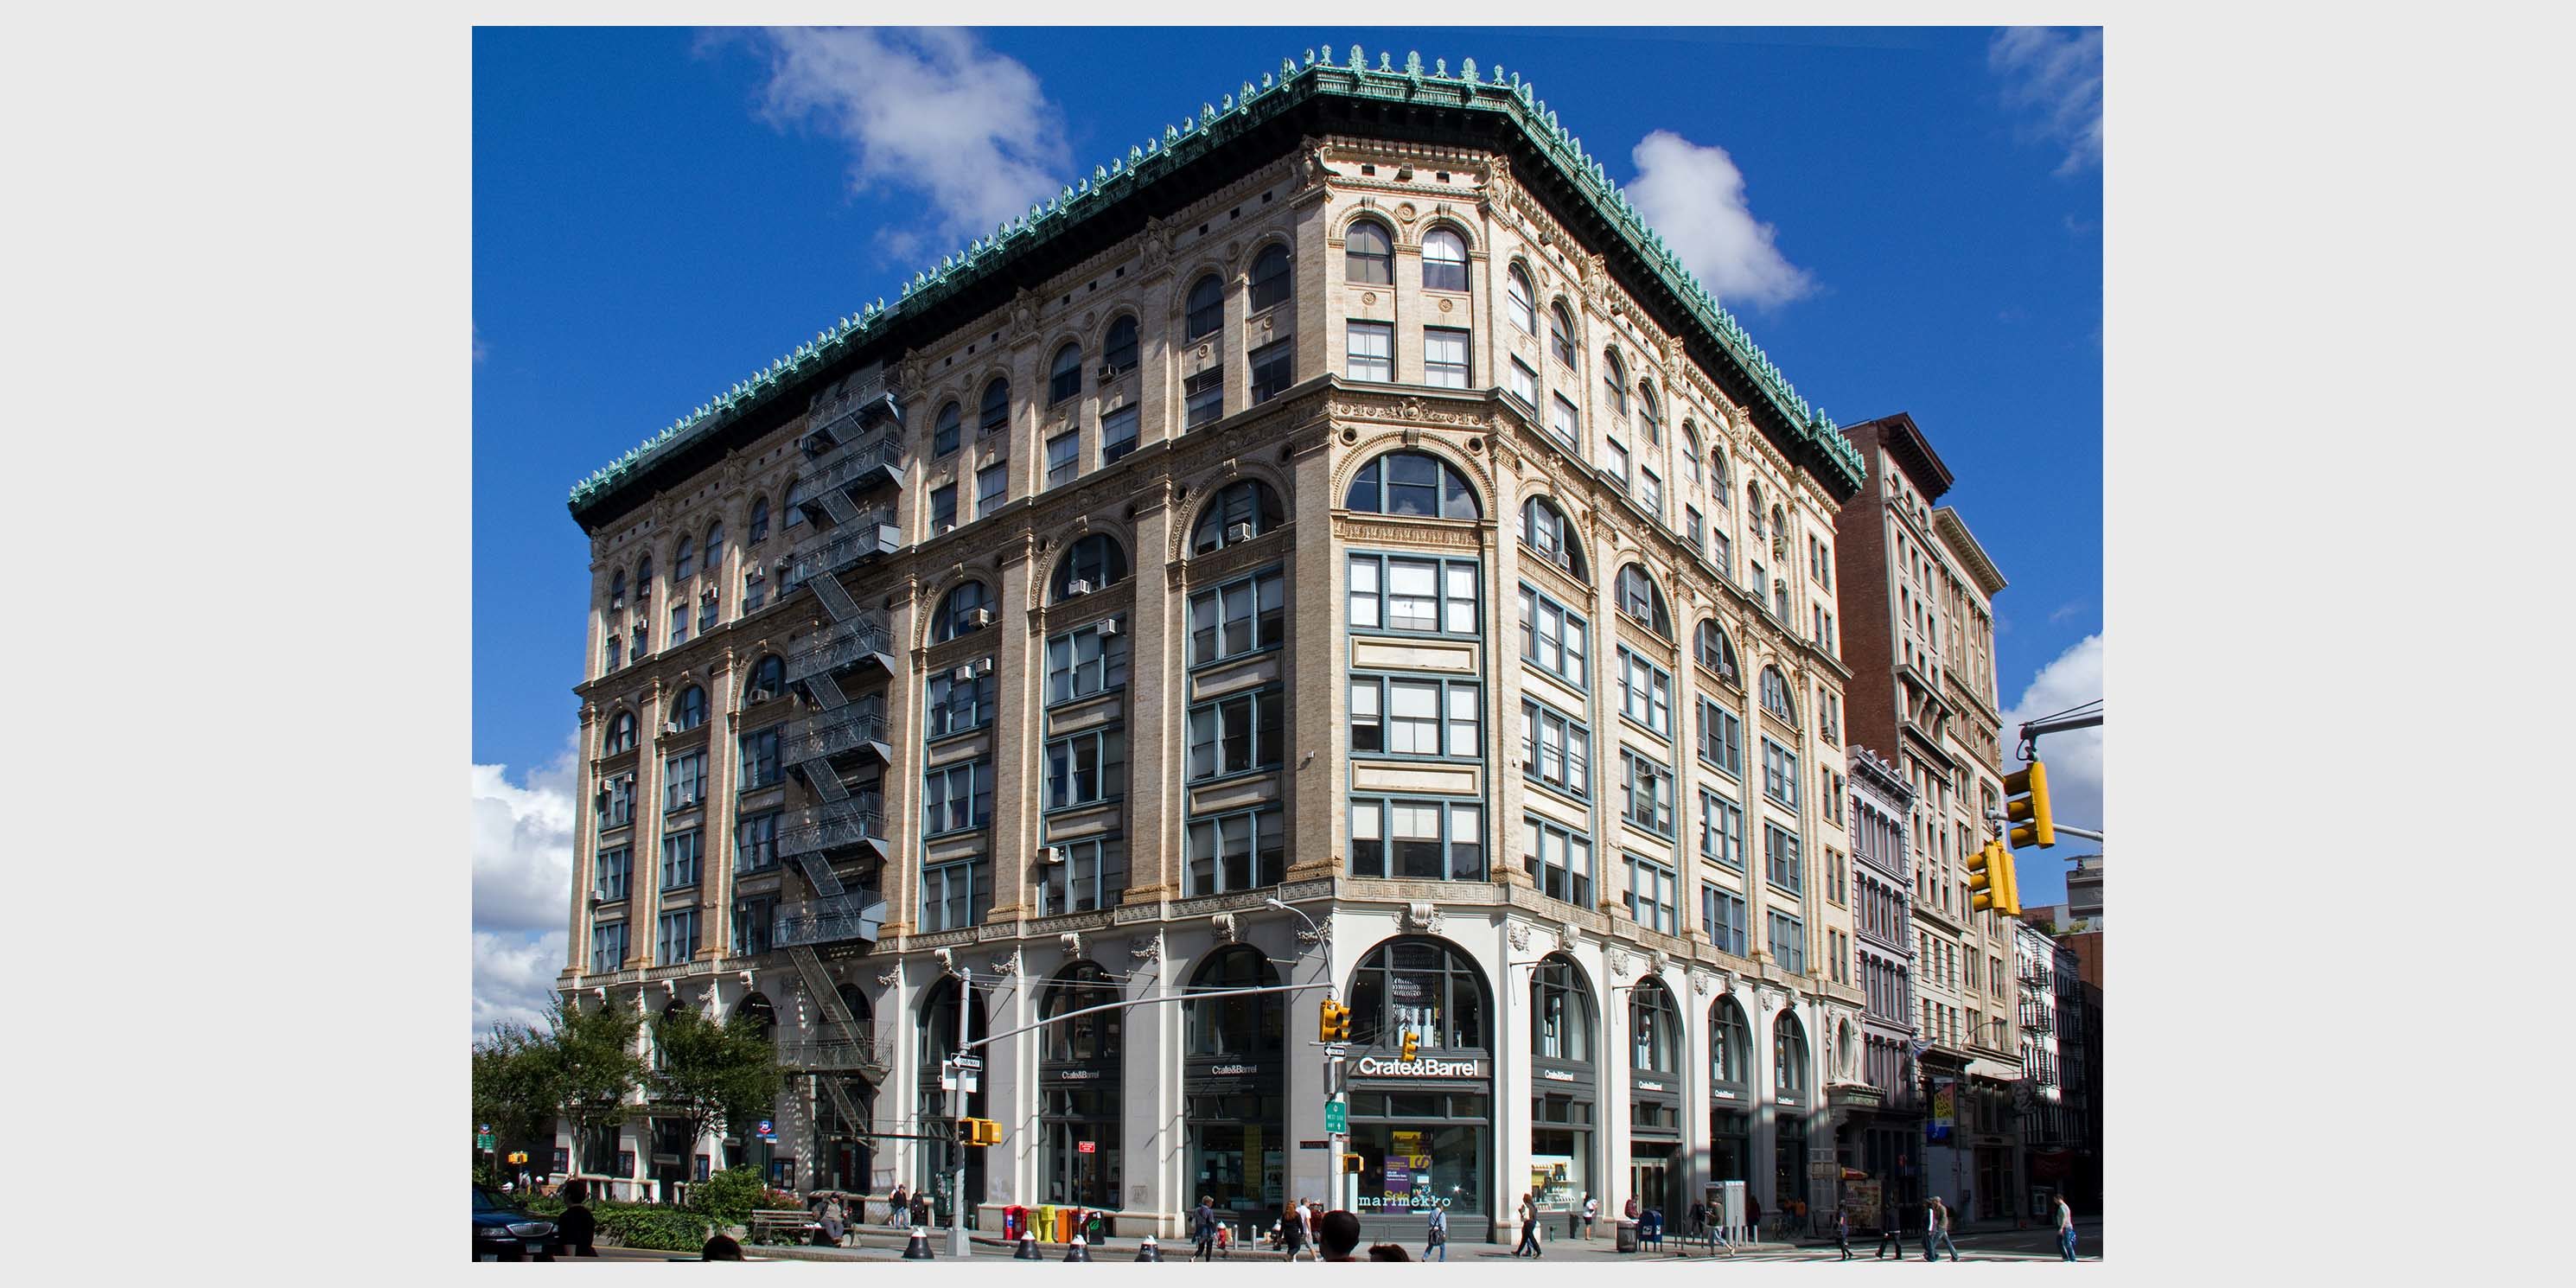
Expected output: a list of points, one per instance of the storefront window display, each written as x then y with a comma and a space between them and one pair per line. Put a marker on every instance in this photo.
1235, 1071
1423, 1128
1078, 1076
1421, 1150
1564, 1084
937, 1040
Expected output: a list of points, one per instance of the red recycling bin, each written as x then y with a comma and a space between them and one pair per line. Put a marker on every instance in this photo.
1014, 1218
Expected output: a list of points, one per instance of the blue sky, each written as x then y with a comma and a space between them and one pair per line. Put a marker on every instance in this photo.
659, 212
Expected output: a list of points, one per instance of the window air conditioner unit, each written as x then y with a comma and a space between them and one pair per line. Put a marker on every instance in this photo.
983, 666
1108, 372
1239, 532
946, 528
979, 618
962, 674
1109, 627
670, 726
1051, 855
1077, 586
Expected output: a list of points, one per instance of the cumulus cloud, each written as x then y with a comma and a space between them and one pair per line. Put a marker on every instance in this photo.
522, 855
928, 111
2058, 76
1694, 196
2074, 758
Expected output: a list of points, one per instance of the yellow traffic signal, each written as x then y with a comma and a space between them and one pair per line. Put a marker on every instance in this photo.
1412, 1045
2028, 806
1335, 1021
978, 1131
1352, 1163
1991, 876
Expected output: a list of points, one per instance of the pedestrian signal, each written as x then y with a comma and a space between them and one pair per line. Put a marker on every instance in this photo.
978, 1131
1990, 875
1412, 1045
2028, 807
1335, 1021
1352, 1163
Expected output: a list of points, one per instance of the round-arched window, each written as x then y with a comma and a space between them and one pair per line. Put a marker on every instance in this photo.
1546, 531
1269, 277
1413, 484
1643, 601
617, 589
996, 415
1090, 563
715, 548
1650, 413
756, 1013
690, 709
1064, 375
1207, 308
1775, 695
1561, 1011
1788, 1055
1444, 261
621, 731
1717, 652
1523, 299
1560, 334
1614, 384
1118, 352
1240, 511
1368, 254
1654, 1028
1425, 987
947, 431
684, 565
768, 678
963, 609
1084, 1039
759, 519
1252, 1026
1730, 1045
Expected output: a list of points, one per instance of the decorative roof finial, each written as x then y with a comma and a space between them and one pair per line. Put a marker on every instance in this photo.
1359, 59
1467, 71
1385, 61
1413, 62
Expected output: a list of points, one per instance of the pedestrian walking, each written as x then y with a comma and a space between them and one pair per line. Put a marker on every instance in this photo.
2065, 1229
1842, 1233
898, 1205
1529, 1227
1698, 1219
1292, 1228
1591, 1213
1936, 1230
1891, 1231
1436, 1234
920, 1209
1203, 1228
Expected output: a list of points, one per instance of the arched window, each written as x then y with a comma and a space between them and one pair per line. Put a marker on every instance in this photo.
1236, 1026
617, 589
1753, 504
689, 710
1368, 254
1614, 384
621, 732
935, 1040
1416, 484
1095, 561
1650, 413
644, 582
1717, 652
768, 677
1721, 480
996, 415
759, 519
755, 1013
1654, 1028
1118, 352
1561, 1007
1240, 511
715, 548
1207, 308
1643, 601
1546, 530
1788, 1055
1690, 450
1425, 987
1523, 299
1269, 277
947, 431
684, 564
1444, 261
1730, 1045
1779, 524
958, 611
1775, 695
1064, 375
1560, 334
1083, 1039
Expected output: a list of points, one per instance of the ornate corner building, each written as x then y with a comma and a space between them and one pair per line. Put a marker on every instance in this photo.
1489, 677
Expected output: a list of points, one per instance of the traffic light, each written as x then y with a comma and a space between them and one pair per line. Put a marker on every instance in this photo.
1352, 1163
1412, 1045
978, 1131
1336, 1021
1991, 876
2028, 807
518, 1156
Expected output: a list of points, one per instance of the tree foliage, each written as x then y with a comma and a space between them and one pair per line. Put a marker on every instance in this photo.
582, 1067
712, 1073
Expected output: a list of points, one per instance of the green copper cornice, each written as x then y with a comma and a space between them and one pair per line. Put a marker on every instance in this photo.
1215, 124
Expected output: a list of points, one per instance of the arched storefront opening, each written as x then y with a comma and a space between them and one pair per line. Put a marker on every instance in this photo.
1792, 1099
1423, 1128
1655, 1097
1730, 1093
1565, 1084
1078, 1090
1235, 1078
936, 1027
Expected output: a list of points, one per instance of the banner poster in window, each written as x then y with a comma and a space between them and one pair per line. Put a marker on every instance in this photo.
1409, 1144
1399, 1181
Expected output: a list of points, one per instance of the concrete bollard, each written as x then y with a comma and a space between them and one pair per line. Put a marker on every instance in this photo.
1080, 1251
918, 1249
1149, 1250
1028, 1248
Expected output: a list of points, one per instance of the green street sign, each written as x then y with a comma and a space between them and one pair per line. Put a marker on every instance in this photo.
1337, 1116
482, 1142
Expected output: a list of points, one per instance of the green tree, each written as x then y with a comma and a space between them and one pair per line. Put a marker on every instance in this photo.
712, 1073
513, 1091
583, 1068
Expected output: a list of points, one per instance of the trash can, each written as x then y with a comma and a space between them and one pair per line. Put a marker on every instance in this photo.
1627, 1235
1014, 1219
1042, 1222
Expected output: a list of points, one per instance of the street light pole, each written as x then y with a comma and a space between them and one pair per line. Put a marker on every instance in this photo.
957, 1110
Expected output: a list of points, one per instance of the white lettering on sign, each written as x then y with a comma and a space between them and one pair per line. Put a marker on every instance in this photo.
1234, 1070
1378, 1067
1643, 1085
1556, 1075
1075, 1075
1723, 1095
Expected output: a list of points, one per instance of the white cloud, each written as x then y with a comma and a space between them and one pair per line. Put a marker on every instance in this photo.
927, 110
2074, 758
1694, 197
2060, 74
522, 855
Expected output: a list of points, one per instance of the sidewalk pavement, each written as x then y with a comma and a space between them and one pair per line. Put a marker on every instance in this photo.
884, 1243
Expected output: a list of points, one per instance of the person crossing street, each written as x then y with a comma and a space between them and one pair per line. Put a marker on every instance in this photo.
1203, 1226
2065, 1230
1936, 1226
1436, 1234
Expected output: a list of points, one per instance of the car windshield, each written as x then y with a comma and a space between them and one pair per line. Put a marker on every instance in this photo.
486, 1201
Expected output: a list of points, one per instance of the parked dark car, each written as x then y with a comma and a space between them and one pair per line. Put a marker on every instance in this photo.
503, 1232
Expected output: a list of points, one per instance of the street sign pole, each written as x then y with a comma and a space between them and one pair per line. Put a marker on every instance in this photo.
956, 1110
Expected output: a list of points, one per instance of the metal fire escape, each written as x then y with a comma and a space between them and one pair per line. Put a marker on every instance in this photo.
854, 452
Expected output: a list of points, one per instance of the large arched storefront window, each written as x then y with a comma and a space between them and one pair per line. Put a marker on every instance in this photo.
1655, 1096
1235, 1077
1423, 1128
1791, 1090
1078, 1091
1565, 1083
936, 1030
1730, 1093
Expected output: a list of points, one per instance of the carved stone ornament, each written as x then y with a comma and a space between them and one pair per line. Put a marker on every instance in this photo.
1422, 915
1146, 950
1070, 942
1007, 967
1519, 934
1225, 928
1566, 935
1702, 984
888, 978
1321, 934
